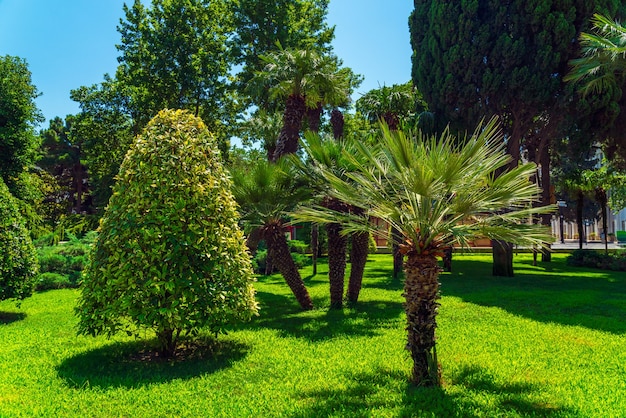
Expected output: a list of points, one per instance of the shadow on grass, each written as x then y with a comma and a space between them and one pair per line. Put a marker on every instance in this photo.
364, 319
10, 317
369, 392
133, 364
549, 292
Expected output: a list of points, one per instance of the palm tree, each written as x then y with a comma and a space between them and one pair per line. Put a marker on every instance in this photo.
392, 105
266, 192
436, 194
299, 77
603, 59
327, 154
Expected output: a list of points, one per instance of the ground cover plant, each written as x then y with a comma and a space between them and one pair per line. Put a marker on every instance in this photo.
548, 342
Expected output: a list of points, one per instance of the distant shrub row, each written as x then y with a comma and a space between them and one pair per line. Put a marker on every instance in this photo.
615, 261
60, 265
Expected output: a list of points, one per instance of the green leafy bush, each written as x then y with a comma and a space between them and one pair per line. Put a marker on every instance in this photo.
296, 246
50, 280
169, 255
64, 260
18, 260
587, 258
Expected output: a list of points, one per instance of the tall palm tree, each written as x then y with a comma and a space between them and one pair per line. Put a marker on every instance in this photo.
393, 105
266, 193
299, 77
324, 153
437, 194
603, 60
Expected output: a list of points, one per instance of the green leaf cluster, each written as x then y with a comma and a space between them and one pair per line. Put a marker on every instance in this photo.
18, 117
18, 258
169, 255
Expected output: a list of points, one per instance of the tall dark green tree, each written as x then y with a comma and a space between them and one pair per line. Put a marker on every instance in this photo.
480, 58
19, 117
600, 71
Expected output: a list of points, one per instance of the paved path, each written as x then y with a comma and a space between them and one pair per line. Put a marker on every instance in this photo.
573, 245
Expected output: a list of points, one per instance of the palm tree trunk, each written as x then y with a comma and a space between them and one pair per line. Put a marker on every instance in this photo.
421, 292
336, 264
278, 249
337, 122
502, 258
287, 142
395, 251
358, 258
315, 235
314, 117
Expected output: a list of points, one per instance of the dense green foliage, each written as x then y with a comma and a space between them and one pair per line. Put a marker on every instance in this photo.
18, 117
169, 255
600, 70
260, 25
607, 261
173, 55
547, 343
61, 264
18, 261
480, 58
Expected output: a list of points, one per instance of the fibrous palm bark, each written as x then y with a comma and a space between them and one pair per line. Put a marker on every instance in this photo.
421, 292
336, 264
278, 249
287, 142
358, 258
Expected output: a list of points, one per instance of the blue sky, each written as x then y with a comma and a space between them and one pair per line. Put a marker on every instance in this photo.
71, 43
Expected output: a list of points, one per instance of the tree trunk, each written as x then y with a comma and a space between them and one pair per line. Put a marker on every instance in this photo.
278, 249
421, 292
315, 235
395, 251
337, 122
167, 343
287, 142
546, 196
336, 264
314, 117
580, 199
358, 258
502, 258
602, 199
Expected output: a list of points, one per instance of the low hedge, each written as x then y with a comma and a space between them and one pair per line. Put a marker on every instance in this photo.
615, 261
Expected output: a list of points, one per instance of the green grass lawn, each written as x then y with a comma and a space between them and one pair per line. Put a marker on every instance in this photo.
549, 342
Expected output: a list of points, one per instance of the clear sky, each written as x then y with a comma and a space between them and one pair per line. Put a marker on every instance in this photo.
71, 43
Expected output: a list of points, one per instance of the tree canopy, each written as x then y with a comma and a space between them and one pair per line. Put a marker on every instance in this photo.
18, 118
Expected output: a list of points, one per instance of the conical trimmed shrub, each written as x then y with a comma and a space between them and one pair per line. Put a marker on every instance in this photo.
169, 255
18, 257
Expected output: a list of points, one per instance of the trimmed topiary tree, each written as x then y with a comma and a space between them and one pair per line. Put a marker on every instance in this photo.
18, 257
170, 255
